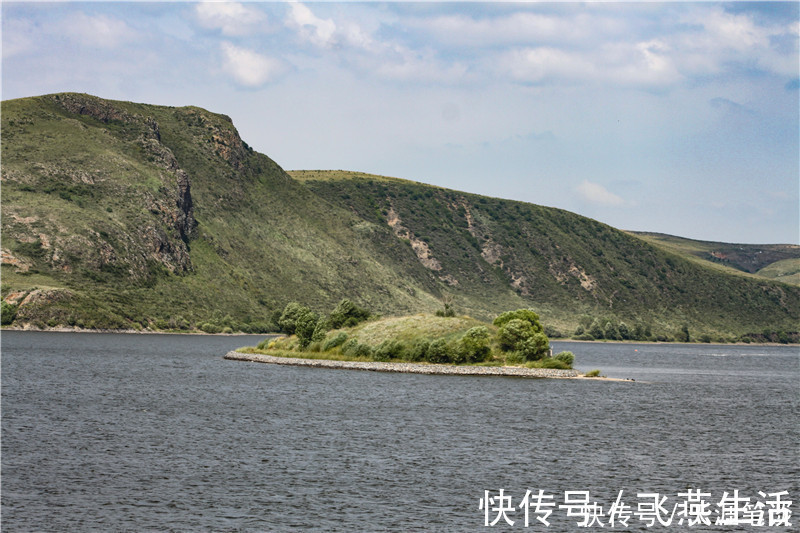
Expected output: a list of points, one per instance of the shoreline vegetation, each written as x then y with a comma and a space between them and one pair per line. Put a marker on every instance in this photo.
514, 344
275, 335
415, 368
351, 333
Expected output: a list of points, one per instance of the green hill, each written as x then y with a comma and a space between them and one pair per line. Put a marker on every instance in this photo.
773, 261
122, 215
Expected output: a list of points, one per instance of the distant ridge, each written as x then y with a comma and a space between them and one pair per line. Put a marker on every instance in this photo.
132, 216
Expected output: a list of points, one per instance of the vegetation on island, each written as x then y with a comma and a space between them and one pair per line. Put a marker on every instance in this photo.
351, 333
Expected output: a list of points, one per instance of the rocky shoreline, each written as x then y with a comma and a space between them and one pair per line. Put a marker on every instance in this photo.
409, 368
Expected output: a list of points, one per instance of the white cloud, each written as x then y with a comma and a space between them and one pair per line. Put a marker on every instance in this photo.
631, 64
737, 32
232, 18
597, 194
524, 28
358, 49
249, 68
97, 31
325, 33
542, 64
320, 32
728, 40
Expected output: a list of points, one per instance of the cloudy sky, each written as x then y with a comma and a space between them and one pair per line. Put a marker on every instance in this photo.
680, 118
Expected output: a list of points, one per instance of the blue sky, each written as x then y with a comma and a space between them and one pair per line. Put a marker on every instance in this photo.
680, 118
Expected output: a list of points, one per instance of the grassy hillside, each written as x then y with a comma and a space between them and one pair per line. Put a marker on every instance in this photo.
566, 266
93, 202
780, 262
786, 270
122, 215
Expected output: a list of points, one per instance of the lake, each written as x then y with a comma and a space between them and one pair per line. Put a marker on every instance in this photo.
116, 432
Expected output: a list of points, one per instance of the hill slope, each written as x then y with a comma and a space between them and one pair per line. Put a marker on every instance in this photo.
156, 212
563, 264
780, 262
127, 215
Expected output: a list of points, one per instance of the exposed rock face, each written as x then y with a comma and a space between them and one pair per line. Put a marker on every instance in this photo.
420, 247
20, 265
177, 208
165, 242
82, 104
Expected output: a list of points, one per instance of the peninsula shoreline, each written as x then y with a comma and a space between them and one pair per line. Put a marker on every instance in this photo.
415, 368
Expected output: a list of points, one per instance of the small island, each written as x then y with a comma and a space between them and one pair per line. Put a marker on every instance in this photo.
514, 344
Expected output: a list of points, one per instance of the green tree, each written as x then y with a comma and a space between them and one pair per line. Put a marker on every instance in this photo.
683, 335
520, 332
567, 357
288, 319
305, 325
474, 346
527, 315
9, 313
447, 309
347, 314
439, 352
596, 329
610, 331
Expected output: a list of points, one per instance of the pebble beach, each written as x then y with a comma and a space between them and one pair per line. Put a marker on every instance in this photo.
409, 368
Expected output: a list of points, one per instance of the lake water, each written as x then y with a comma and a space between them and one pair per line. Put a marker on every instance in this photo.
116, 432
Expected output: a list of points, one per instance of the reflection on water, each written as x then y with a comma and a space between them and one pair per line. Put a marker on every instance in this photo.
110, 432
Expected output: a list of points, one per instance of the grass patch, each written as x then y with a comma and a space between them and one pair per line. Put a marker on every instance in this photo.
303, 354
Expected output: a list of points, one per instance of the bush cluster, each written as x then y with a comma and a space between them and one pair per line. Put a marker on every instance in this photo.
520, 333
520, 339
308, 326
9, 313
611, 329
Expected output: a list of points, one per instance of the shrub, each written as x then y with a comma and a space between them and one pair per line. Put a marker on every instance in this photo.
474, 346
363, 350
519, 336
592, 373
418, 350
305, 326
389, 349
208, 327
526, 315
349, 347
512, 333
548, 362
514, 358
347, 314
521, 332
566, 357
448, 311
9, 313
288, 319
553, 333
353, 348
320, 330
534, 347
333, 342
263, 345
439, 352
